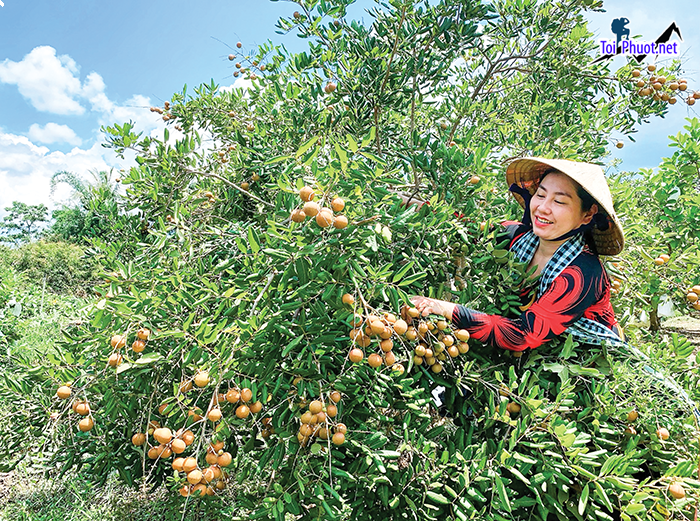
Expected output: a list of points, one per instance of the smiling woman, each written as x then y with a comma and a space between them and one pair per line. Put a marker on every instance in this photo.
568, 221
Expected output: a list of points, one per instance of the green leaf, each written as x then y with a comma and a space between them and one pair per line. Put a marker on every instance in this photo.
502, 493
276, 160
253, 241
583, 500
437, 498
307, 146
600, 492
149, 358
413, 278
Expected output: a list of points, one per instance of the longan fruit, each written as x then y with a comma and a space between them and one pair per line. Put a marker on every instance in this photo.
356, 355
233, 396
400, 327
324, 218
163, 435
340, 222
246, 395
390, 358
298, 215
224, 460
242, 411
676, 490
115, 359
374, 360
63, 392
118, 341
214, 415
86, 424
338, 204
189, 464
194, 476
201, 379
311, 208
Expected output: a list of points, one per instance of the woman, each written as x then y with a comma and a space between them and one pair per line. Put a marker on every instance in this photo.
569, 220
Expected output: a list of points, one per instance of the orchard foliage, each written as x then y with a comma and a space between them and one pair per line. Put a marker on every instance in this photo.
663, 212
244, 306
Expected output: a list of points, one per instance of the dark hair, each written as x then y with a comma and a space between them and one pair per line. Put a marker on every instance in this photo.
587, 202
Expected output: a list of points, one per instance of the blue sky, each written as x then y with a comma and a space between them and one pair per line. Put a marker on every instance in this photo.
68, 67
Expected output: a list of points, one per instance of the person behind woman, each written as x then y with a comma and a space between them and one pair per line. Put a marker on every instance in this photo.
569, 221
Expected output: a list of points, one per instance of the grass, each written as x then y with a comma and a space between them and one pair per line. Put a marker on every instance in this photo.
24, 497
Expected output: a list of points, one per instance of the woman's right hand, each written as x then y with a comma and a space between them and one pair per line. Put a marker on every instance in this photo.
427, 306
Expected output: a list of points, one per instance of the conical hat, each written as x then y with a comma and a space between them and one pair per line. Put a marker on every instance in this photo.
526, 172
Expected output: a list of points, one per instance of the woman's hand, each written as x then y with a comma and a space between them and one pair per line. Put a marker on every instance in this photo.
427, 305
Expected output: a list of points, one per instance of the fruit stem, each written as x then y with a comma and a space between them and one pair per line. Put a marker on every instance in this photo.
233, 185
270, 277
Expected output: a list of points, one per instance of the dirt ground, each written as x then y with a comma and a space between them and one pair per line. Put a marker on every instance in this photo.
689, 327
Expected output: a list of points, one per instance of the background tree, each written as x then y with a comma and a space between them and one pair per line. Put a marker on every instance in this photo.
23, 222
96, 212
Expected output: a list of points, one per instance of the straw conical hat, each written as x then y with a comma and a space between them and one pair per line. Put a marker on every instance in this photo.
526, 172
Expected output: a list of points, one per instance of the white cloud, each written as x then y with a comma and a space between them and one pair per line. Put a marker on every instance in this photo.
51, 83
48, 81
241, 83
53, 133
26, 168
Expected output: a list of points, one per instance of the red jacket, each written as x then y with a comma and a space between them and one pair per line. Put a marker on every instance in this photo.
582, 289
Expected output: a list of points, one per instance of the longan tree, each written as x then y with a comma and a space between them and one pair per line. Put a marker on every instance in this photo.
260, 321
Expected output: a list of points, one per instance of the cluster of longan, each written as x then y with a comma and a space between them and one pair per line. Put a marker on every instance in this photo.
79, 407
222, 155
167, 443
119, 341
381, 328
662, 259
324, 215
692, 296
241, 69
164, 111
319, 421
662, 88
200, 480
240, 398
435, 341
